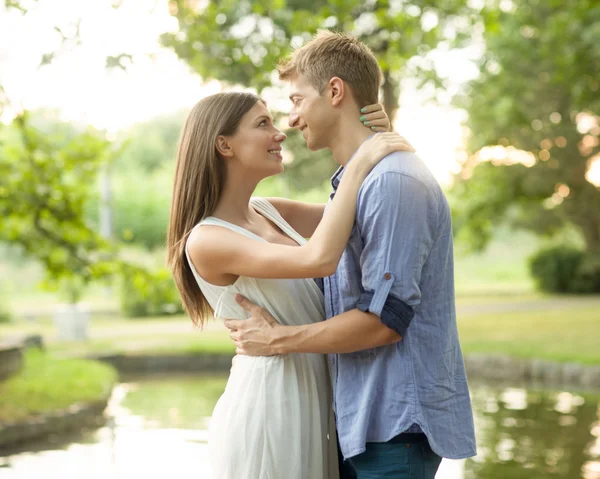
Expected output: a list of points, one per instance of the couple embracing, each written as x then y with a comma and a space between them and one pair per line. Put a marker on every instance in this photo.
348, 362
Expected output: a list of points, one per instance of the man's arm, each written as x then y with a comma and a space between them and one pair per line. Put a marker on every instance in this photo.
351, 331
303, 217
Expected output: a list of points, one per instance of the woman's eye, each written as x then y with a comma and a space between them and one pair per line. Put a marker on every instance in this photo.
263, 123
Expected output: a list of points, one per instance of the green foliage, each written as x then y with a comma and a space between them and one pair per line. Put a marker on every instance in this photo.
5, 314
46, 180
564, 269
151, 145
49, 384
141, 207
141, 183
309, 168
539, 77
146, 293
555, 268
241, 42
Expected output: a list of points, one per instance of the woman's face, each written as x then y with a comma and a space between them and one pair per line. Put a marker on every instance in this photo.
256, 146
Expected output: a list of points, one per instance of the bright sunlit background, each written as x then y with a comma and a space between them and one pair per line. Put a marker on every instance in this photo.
83, 90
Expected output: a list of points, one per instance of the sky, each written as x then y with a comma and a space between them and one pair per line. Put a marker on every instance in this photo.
78, 85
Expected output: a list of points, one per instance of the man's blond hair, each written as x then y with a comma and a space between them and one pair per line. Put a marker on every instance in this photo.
330, 55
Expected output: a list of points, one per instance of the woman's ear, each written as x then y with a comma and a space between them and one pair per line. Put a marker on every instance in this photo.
223, 146
336, 90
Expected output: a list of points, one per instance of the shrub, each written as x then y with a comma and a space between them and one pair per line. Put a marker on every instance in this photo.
149, 294
564, 269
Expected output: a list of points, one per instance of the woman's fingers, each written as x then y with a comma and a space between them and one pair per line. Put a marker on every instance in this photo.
377, 115
390, 142
373, 117
381, 125
371, 108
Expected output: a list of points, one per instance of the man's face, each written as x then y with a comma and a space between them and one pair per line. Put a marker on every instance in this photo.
311, 113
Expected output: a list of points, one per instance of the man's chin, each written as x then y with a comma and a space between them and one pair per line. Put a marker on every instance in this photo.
314, 147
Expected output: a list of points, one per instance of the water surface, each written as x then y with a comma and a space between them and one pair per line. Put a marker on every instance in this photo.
157, 429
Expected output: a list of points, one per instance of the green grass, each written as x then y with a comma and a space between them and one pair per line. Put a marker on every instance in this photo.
557, 335
50, 384
558, 328
500, 270
206, 342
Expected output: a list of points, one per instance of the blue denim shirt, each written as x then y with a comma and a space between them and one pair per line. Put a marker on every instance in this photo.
400, 252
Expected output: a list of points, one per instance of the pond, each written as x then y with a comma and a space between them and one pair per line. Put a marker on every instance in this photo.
157, 429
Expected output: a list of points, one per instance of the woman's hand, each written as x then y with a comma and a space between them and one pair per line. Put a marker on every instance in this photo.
375, 118
375, 149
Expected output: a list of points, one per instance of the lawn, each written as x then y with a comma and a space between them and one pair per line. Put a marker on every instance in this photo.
559, 328
555, 334
48, 384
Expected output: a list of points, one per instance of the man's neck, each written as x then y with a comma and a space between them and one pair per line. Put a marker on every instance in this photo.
344, 142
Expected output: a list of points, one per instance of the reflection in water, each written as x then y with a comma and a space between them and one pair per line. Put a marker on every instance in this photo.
157, 428
534, 434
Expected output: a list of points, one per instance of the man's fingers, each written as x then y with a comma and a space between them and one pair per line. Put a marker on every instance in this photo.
245, 303
233, 324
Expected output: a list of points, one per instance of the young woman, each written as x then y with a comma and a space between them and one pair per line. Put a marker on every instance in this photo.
274, 419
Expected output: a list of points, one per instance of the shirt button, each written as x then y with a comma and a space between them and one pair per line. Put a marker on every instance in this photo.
387, 276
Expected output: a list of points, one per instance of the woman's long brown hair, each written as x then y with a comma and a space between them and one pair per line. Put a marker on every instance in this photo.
199, 181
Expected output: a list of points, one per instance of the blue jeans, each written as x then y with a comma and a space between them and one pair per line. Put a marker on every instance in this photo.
407, 456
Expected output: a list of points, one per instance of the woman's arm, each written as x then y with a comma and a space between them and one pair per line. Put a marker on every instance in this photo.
303, 217
219, 254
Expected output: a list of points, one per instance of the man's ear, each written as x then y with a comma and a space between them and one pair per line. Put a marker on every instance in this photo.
337, 90
223, 146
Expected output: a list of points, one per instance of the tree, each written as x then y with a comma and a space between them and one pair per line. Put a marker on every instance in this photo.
44, 189
536, 107
240, 42
48, 171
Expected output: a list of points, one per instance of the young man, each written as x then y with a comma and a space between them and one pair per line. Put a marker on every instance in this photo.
400, 390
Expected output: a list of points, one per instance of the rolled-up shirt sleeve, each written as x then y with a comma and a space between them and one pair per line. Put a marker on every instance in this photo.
397, 220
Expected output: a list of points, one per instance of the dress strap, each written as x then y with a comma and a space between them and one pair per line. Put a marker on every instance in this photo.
265, 208
211, 220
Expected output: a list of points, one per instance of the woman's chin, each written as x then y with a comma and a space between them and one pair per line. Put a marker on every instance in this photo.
275, 171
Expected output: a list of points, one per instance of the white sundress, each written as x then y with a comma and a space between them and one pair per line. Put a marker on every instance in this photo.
275, 418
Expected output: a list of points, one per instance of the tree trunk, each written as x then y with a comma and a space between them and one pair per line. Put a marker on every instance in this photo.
591, 235
390, 96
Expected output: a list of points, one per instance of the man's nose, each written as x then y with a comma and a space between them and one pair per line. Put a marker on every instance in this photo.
293, 121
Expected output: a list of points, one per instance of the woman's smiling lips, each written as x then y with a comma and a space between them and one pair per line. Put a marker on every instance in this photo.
276, 152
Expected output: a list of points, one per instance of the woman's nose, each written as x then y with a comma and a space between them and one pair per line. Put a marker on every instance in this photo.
280, 136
